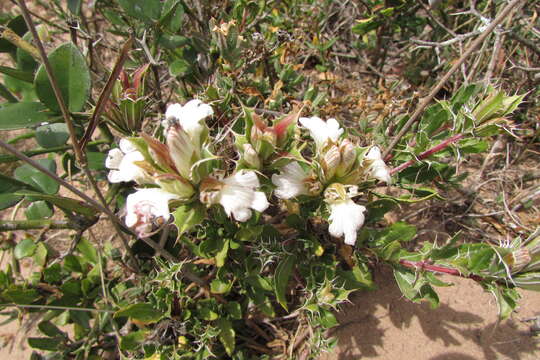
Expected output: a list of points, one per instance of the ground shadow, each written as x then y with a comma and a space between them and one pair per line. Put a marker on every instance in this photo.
363, 325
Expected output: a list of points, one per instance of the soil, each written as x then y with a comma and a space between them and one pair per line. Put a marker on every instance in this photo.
384, 325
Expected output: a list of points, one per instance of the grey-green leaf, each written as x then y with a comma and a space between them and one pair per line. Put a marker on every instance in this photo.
141, 312
35, 178
22, 115
72, 75
52, 135
24, 249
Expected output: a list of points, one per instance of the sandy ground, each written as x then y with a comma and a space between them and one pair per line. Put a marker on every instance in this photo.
383, 325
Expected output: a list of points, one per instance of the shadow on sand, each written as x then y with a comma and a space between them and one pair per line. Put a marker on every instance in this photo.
369, 327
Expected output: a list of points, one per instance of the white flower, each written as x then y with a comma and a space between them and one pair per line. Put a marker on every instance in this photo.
291, 182
322, 131
147, 207
378, 168
236, 194
346, 217
189, 117
123, 164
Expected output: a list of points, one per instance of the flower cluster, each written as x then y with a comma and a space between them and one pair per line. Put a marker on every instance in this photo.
182, 170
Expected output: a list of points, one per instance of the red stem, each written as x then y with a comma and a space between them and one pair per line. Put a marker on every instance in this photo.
439, 269
428, 153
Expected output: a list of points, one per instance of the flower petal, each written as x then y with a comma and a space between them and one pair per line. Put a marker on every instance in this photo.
322, 131
146, 205
346, 218
114, 158
243, 178
374, 153
290, 183
126, 146
259, 202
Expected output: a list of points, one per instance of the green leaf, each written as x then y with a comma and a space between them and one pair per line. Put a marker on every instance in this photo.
47, 344
328, 320
22, 115
38, 210
414, 287
472, 146
72, 76
206, 313
49, 329
226, 335
22, 75
96, 160
74, 6
36, 179
40, 255
25, 248
52, 135
66, 204
464, 95
8, 200
88, 251
221, 256
186, 217
218, 286
133, 340
145, 10
8, 186
281, 278
506, 299
399, 231
52, 274
21, 296
72, 264
143, 312
172, 15
234, 309
180, 67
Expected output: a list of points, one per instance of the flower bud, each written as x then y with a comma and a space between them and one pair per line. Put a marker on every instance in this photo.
251, 157
348, 157
331, 161
182, 150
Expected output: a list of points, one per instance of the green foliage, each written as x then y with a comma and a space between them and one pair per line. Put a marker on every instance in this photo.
21, 115
72, 76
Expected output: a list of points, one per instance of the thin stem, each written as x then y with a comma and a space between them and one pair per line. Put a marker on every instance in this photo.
106, 92
425, 102
11, 158
12, 225
428, 153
